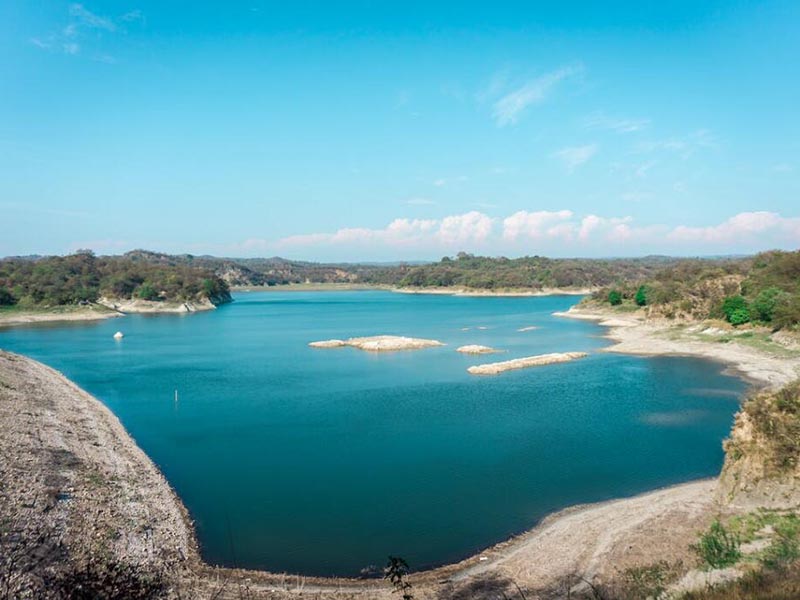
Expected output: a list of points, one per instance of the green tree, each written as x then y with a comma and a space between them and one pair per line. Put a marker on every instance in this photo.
732, 304
147, 292
614, 298
765, 303
641, 296
740, 316
6, 297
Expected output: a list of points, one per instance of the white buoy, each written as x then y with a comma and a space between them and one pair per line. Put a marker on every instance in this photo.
119, 335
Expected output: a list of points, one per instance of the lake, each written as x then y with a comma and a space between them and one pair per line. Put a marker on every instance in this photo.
325, 461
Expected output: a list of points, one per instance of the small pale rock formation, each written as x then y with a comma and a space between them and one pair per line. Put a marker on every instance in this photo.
119, 335
476, 349
531, 328
379, 343
524, 363
328, 344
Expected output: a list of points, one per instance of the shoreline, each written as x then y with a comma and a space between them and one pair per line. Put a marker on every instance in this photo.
635, 335
582, 538
103, 309
589, 539
433, 291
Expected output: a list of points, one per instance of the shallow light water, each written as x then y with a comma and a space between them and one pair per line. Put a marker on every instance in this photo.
324, 461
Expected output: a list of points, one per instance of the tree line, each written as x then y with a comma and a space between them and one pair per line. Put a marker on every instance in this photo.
83, 277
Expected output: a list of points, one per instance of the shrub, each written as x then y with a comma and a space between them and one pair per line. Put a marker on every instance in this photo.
739, 317
641, 296
735, 304
6, 297
765, 303
614, 298
718, 547
147, 292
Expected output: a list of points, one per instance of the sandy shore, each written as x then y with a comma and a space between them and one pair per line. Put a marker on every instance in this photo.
514, 293
525, 363
145, 306
379, 343
88, 313
633, 334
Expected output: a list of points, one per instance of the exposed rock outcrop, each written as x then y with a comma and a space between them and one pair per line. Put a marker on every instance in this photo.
762, 455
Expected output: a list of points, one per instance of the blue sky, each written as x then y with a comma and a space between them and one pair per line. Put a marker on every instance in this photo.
389, 131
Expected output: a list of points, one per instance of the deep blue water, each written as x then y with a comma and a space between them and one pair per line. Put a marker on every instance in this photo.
325, 461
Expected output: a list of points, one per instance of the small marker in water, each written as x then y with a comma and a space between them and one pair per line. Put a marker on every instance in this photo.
119, 335
176, 395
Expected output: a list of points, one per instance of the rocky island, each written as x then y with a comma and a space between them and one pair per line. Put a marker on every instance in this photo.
379, 343
524, 363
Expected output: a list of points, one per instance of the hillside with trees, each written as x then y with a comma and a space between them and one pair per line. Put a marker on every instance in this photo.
82, 278
763, 290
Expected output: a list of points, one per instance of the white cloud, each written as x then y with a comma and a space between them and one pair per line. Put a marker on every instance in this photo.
575, 156
88, 18
471, 227
782, 168
40, 43
617, 124
535, 225
420, 202
508, 109
557, 232
684, 146
440, 182
593, 223
741, 227
82, 22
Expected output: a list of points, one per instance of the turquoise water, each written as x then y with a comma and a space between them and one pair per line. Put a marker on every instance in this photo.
325, 461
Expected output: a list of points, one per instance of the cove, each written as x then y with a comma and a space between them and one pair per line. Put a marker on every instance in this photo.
323, 462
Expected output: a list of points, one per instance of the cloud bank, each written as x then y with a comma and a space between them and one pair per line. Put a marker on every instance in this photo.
555, 232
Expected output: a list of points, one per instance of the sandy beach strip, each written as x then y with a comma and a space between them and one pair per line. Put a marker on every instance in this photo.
633, 334
23, 317
510, 293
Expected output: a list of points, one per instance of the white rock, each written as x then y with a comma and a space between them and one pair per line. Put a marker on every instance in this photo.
119, 335
524, 363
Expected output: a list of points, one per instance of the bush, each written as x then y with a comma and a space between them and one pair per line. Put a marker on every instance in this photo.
740, 316
147, 292
641, 296
765, 303
735, 304
6, 297
614, 298
718, 547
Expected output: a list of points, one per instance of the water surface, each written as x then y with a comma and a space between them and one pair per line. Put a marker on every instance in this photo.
325, 461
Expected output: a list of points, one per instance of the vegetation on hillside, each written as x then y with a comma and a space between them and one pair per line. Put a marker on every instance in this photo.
84, 278
764, 289
775, 419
